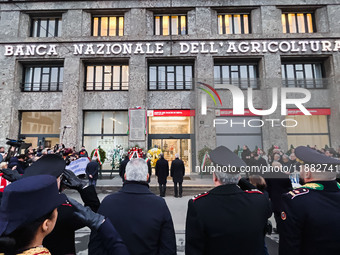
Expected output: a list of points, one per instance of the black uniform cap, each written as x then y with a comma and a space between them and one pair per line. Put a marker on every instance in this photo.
306, 155
28, 199
222, 156
50, 164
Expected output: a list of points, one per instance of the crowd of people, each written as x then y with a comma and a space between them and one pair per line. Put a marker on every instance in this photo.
232, 218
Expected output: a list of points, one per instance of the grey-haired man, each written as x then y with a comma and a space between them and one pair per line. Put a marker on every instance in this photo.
141, 218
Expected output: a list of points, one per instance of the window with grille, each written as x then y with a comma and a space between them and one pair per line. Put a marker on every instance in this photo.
108, 26
170, 77
298, 23
233, 24
303, 75
170, 25
242, 75
107, 77
43, 78
46, 27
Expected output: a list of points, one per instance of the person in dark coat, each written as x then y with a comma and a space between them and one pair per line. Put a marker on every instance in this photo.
246, 155
122, 167
18, 163
277, 185
226, 220
177, 172
148, 162
141, 218
162, 172
83, 152
310, 214
91, 170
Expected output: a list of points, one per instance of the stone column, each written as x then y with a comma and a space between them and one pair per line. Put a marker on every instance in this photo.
9, 88
334, 92
276, 134
271, 20
138, 68
137, 88
205, 133
9, 79
203, 21
71, 108
71, 25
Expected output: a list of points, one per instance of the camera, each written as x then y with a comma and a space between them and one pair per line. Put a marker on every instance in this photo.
15, 143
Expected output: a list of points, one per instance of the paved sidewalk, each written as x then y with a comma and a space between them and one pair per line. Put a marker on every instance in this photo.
190, 180
192, 184
177, 206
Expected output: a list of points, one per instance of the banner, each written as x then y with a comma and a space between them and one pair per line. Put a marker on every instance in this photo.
78, 166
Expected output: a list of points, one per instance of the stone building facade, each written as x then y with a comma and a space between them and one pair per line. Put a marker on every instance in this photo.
71, 70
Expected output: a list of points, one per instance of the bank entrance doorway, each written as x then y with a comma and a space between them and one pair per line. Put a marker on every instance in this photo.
171, 146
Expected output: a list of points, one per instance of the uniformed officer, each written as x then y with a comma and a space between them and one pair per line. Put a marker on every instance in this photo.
227, 220
62, 239
311, 213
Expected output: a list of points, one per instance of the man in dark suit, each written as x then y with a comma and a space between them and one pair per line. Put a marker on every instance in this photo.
177, 172
122, 166
310, 214
91, 170
162, 172
227, 220
142, 219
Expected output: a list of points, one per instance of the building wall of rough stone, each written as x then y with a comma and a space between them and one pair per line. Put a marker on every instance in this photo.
139, 27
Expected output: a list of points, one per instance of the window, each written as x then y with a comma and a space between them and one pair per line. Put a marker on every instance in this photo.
311, 130
171, 125
298, 23
40, 128
108, 26
107, 129
170, 77
107, 77
242, 75
237, 133
43, 78
233, 24
46, 27
303, 75
170, 25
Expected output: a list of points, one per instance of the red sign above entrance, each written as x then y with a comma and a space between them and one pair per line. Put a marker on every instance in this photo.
170, 113
313, 111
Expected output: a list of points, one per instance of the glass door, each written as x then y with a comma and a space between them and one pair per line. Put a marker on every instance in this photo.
170, 147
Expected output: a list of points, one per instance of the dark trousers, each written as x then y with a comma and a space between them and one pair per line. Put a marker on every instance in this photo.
277, 217
176, 189
162, 189
93, 182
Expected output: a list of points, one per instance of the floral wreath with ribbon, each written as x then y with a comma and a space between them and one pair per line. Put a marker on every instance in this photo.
135, 152
153, 155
